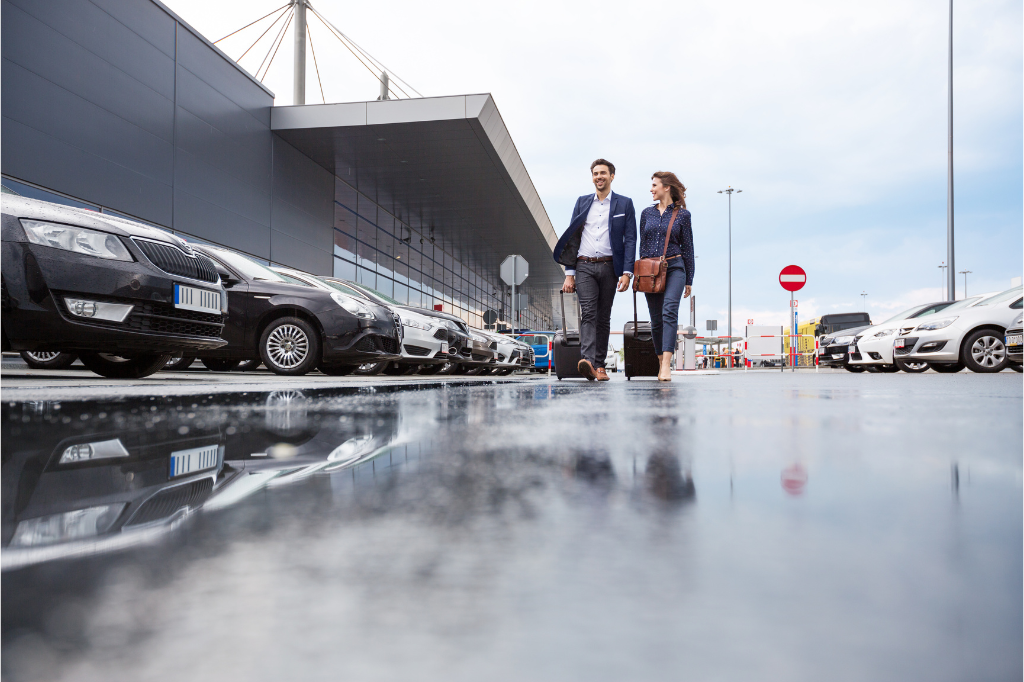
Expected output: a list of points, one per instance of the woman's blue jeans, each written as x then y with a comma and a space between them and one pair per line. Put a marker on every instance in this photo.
664, 308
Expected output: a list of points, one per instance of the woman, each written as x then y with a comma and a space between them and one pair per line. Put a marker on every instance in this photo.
669, 195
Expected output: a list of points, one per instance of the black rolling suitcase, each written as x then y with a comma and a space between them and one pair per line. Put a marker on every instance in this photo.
638, 348
566, 350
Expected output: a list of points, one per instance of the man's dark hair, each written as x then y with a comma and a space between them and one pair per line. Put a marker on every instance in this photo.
604, 162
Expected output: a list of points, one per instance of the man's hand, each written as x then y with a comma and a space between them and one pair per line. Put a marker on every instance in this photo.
570, 284
623, 283
686, 292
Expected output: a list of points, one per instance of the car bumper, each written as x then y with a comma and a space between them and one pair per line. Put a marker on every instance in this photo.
419, 346
36, 280
373, 340
1015, 351
940, 345
873, 352
834, 356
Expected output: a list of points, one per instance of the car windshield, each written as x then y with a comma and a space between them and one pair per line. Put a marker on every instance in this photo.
248, 268
373, 293
933, 309
1008, 295
901, 316
959, 305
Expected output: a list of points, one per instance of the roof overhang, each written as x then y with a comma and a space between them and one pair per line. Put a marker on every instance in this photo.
444, 162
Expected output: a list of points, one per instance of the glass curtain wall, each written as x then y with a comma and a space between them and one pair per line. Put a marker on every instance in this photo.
376, 247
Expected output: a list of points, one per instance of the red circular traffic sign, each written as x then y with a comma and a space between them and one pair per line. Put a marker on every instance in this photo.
792, 278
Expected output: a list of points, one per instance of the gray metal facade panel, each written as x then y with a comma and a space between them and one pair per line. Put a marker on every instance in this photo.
147, 19
107, 39
34, 156
304, 184
206, 220
241, 153
222, 77
196, 177
298, 254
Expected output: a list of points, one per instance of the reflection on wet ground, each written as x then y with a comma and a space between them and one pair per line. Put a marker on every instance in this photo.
739, 528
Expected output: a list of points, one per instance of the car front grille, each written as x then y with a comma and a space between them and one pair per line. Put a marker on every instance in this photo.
479, 357
441, 335
173, 261
417, 350
375, 343
152, 317
166, 502
908, 348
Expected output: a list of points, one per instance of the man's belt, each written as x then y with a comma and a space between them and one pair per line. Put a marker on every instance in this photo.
588, 259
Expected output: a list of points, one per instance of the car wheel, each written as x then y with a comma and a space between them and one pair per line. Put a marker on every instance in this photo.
371, 368
337, 370
48, 360
1016, 367
856, 369
911, 366
120, 367
947, 367
249, 365
220, 364
888, 369
400, 369
290, 346
179, 362
985, 352
872, 369
450, 367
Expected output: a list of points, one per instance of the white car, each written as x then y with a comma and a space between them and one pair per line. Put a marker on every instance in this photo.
971, 337
611, 362
873, 346
424, 338
509, 351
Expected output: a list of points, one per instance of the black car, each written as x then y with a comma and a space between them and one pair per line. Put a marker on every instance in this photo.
295, 328
121, 295
834, 351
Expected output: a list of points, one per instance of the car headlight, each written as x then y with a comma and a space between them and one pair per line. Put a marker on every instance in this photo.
417, 324
76, 240
884, 332
843, 340
938, 324
73, 525
353, 306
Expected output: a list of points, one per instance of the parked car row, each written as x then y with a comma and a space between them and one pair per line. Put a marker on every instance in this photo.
980, 333
128, 300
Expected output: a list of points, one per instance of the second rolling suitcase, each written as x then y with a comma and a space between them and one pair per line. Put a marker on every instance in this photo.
566, 350
641, 360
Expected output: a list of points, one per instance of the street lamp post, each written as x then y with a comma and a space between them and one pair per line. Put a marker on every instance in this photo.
729, 192
965, 273
864, 299
951, 281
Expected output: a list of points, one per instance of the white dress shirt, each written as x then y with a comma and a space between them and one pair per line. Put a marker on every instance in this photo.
596, 239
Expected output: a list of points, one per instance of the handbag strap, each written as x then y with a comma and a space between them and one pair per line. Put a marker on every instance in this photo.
668, 232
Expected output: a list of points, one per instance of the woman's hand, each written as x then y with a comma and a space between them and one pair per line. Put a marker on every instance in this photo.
686, 292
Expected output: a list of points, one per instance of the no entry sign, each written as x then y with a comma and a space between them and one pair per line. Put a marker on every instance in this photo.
792, 278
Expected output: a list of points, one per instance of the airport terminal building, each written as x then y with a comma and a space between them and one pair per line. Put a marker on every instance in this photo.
121, 106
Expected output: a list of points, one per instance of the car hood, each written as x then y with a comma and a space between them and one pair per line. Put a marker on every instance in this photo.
34, 209
854, 331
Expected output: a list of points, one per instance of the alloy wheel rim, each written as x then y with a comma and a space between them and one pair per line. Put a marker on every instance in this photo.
42, 356
287, 346
916, 365
988, 351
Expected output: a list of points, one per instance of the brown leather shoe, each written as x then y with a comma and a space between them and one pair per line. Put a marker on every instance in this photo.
602, 375
586, 369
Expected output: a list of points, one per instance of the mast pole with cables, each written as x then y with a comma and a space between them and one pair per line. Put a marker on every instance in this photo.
300, 51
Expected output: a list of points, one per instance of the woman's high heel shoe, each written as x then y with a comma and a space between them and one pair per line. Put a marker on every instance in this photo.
665, 371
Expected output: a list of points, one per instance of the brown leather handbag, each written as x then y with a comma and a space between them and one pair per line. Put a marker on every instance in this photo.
649, 274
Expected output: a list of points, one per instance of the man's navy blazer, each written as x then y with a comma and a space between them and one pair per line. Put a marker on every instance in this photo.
621, 232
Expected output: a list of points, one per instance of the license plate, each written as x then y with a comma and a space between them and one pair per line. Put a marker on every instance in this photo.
194, 298
1014, 340
899, 343
444, 347
193, 460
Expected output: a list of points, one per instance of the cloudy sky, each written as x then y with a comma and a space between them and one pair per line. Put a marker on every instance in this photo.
831, 117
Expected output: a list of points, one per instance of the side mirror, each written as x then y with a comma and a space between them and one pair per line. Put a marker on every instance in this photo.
226, 278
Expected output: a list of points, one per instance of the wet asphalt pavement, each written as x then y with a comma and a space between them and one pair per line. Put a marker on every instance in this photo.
730, 527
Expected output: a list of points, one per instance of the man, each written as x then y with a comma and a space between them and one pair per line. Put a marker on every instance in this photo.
598, 251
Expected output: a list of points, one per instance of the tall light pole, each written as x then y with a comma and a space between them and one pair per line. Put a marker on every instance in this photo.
300, 52
942, 289
729, 192
965, 273
951, 281
863, 299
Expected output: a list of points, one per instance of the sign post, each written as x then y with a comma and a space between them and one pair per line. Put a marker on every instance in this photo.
514, 271
792, 278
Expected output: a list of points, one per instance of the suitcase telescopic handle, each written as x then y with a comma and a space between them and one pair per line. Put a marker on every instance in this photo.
565, 332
